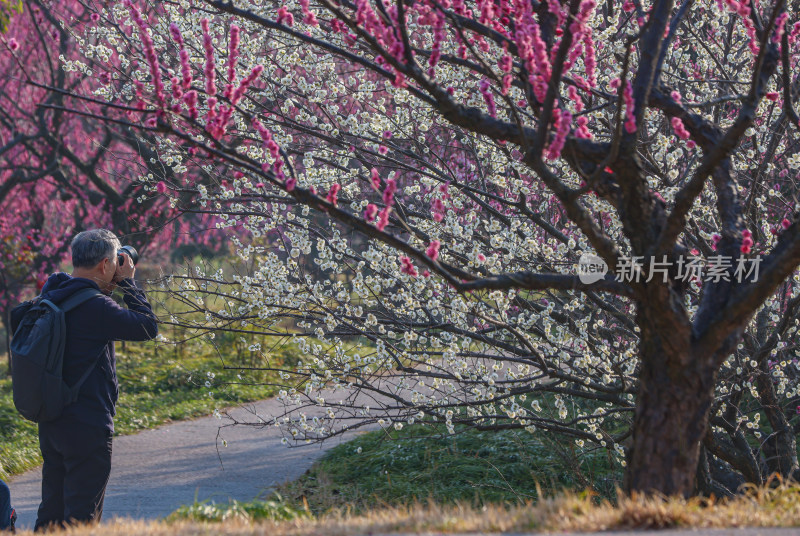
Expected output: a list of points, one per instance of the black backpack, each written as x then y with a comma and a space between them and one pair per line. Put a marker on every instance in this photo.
37, 356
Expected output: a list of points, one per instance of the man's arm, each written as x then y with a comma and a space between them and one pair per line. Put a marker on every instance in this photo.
137, 322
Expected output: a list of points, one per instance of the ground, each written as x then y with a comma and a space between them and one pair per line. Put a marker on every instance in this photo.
156, 471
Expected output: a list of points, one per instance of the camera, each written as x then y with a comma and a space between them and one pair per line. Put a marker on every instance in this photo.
130, 251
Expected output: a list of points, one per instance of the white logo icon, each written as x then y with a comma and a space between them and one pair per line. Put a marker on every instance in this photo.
591, 268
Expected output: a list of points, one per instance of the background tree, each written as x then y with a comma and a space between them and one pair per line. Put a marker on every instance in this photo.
63, 173
465, 156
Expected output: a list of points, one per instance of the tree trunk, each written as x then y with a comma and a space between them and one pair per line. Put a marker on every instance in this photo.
674, 398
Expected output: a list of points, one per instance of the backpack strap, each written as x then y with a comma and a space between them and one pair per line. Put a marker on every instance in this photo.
67, 305
74, 390
78, 298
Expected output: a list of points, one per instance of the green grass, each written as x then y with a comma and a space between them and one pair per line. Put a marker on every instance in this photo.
276, 509
475, 467
157, 385
419, 464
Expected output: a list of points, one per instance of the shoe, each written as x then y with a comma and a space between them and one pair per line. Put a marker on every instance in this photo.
13, 521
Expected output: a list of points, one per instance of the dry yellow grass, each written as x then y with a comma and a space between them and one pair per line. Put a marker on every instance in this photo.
764, 507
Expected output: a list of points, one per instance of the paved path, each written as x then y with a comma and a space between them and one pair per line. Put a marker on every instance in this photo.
156, 471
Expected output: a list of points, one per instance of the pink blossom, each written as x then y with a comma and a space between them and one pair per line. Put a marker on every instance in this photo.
540, 61
338, 26
388, 193
486, 8
291, 183
151, 56
161, 187
212, 112
186, 69
437, 208
277, 166
238, 93
679, 128
233, 57
780, 24
274, 149
384, 34
308, 16
572, 92
433, 249
139, 94
439, 34
583, 129
407, 267
265, 134
590, 58
505, 63
382, 149
333, 193
209, 70
175, 32
785, 223
630, 108
488, 97
562, 120
795, 33
506, 85
374, 179
370, 212
13, 44
383, 218
177, 92
285, 17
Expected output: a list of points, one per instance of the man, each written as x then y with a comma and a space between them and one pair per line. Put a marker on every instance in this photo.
76, 447
7, 514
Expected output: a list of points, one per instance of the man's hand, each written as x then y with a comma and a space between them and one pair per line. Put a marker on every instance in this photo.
126, 270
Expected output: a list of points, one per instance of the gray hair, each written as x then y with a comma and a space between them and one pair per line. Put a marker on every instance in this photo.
90, 247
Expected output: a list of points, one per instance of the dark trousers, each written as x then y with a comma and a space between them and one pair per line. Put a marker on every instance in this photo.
5, 506
77, 463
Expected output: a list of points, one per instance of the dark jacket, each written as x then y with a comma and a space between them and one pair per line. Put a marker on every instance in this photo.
92, 328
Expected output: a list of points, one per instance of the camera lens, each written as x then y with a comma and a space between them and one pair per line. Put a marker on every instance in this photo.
131, 252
